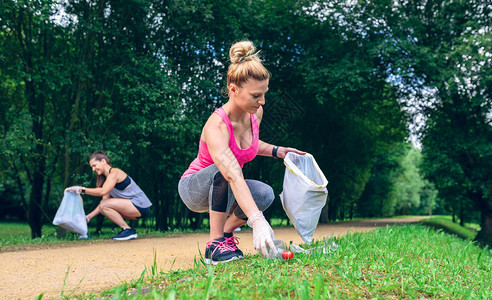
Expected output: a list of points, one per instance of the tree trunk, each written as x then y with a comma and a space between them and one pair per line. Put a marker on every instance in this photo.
34, 213
36, 108
484, 236
160, 205
46, 198
36, 105
462, 212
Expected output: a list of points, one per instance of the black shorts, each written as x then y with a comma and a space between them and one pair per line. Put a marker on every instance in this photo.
144, 212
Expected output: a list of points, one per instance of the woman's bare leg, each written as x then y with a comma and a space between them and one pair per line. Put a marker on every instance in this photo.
217, 221
232, 223
117, 210
219, 224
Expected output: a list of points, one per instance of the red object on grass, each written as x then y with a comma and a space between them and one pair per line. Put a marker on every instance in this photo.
287, 254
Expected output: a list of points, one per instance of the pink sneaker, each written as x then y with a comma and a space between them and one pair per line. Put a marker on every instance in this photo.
219, 251
233, 241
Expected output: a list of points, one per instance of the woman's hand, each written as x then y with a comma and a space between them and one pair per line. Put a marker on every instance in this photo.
282, 152
263, 235
75, 189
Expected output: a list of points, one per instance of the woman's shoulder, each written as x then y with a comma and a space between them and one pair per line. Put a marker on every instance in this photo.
215, 127
119, 174
215, 123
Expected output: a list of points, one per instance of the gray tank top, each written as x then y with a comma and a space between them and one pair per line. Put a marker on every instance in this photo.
134, 193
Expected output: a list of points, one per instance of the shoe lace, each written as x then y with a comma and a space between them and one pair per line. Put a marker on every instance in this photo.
220, 246
232, 242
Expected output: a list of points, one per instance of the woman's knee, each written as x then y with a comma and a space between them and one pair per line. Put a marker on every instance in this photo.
194, 202
103, 207
106, 205
264, 197
219, 193
196, 207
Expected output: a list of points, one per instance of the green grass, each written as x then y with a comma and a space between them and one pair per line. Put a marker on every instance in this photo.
20, 233
445, 223
409, 261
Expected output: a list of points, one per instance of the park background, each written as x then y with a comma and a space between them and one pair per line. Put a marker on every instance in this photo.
353, 83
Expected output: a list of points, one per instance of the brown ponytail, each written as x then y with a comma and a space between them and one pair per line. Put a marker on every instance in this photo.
98, 156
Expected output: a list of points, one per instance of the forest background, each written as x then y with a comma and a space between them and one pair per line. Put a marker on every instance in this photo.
352, 82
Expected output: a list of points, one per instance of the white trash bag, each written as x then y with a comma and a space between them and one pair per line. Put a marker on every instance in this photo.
71, 216
304, 193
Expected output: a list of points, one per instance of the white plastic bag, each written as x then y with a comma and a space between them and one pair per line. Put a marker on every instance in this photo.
71, 216
304, 193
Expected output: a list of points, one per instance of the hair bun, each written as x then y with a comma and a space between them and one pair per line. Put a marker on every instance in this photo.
242, 51
245, 64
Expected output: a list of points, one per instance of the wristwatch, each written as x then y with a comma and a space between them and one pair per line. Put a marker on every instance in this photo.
274, 151
83, 190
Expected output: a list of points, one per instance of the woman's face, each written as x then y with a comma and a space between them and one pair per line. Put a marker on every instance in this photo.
251, 95
98, 166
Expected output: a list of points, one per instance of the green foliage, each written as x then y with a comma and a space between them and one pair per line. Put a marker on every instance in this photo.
378, 199
409, 184
447, 43
350, 112
428, 198
396, 185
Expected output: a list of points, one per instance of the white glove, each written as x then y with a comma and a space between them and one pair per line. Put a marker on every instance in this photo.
75, 189
262, 233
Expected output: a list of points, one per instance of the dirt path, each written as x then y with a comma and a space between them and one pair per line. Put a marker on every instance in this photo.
94, 267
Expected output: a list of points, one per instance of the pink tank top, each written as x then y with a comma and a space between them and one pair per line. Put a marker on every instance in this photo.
204, 159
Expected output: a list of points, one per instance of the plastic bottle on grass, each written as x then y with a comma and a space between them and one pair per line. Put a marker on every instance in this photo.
280, 247
327, 247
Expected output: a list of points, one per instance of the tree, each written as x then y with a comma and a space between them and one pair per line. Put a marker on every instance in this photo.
378, 198
409, 184
445, 60
357, 112
428, 199
33, 50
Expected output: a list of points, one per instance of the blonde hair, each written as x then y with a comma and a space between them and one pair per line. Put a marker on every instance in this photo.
245, 64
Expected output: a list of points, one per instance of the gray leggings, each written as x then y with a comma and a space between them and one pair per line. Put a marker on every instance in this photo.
208, 190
